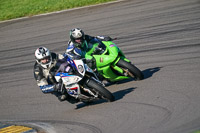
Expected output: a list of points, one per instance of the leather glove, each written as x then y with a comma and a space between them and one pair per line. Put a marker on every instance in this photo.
90, 62
57, 87
87, 60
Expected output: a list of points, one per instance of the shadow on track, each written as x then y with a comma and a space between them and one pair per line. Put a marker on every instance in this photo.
121, 93
147, 74
81, 105
150, 71
118, 95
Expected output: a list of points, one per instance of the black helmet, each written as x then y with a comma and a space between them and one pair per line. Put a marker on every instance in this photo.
77, 36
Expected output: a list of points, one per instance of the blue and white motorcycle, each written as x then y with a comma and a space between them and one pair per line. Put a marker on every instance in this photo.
82, 83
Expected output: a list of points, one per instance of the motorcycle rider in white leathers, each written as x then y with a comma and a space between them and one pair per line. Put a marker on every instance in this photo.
46, 65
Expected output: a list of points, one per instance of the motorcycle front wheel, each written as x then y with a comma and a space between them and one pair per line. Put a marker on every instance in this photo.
130, 69
100, 90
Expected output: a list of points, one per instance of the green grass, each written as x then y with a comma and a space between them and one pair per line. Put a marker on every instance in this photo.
197, 131
10, 9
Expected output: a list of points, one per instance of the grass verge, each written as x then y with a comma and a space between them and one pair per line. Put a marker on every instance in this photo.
10, 9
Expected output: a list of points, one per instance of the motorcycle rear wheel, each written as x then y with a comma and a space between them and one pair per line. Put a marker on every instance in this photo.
133, 71
102, 92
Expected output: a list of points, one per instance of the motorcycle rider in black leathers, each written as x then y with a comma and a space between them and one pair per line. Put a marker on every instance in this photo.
46, 66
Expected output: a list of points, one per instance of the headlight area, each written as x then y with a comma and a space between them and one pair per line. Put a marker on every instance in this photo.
80, 68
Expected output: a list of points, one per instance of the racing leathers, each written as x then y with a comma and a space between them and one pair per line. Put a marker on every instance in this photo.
79, 53
45, 77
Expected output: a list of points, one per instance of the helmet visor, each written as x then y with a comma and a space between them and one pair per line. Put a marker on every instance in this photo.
45, 60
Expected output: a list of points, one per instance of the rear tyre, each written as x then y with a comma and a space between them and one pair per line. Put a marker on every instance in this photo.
130, 70
102, 92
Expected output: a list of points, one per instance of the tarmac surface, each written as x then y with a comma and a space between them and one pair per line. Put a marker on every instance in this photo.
161, 37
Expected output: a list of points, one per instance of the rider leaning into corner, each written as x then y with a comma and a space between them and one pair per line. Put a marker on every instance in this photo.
46, 66
80, 43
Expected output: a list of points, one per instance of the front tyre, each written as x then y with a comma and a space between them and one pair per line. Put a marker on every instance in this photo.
130, 70
102, 92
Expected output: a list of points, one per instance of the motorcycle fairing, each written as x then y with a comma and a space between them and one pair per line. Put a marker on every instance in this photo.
107, 61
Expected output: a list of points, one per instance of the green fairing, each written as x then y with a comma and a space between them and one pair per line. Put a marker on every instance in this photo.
108, 59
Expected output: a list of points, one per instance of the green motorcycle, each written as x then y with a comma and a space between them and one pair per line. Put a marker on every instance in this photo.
111, 63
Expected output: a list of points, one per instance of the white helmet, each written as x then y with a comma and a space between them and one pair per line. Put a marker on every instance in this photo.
43, 53
77, 36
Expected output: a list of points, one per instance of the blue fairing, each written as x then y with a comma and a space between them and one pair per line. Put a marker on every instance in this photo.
71, 62
63, 74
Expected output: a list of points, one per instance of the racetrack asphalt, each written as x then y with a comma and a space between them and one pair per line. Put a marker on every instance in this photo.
160, 37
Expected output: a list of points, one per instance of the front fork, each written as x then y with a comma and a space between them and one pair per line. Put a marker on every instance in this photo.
121, 70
